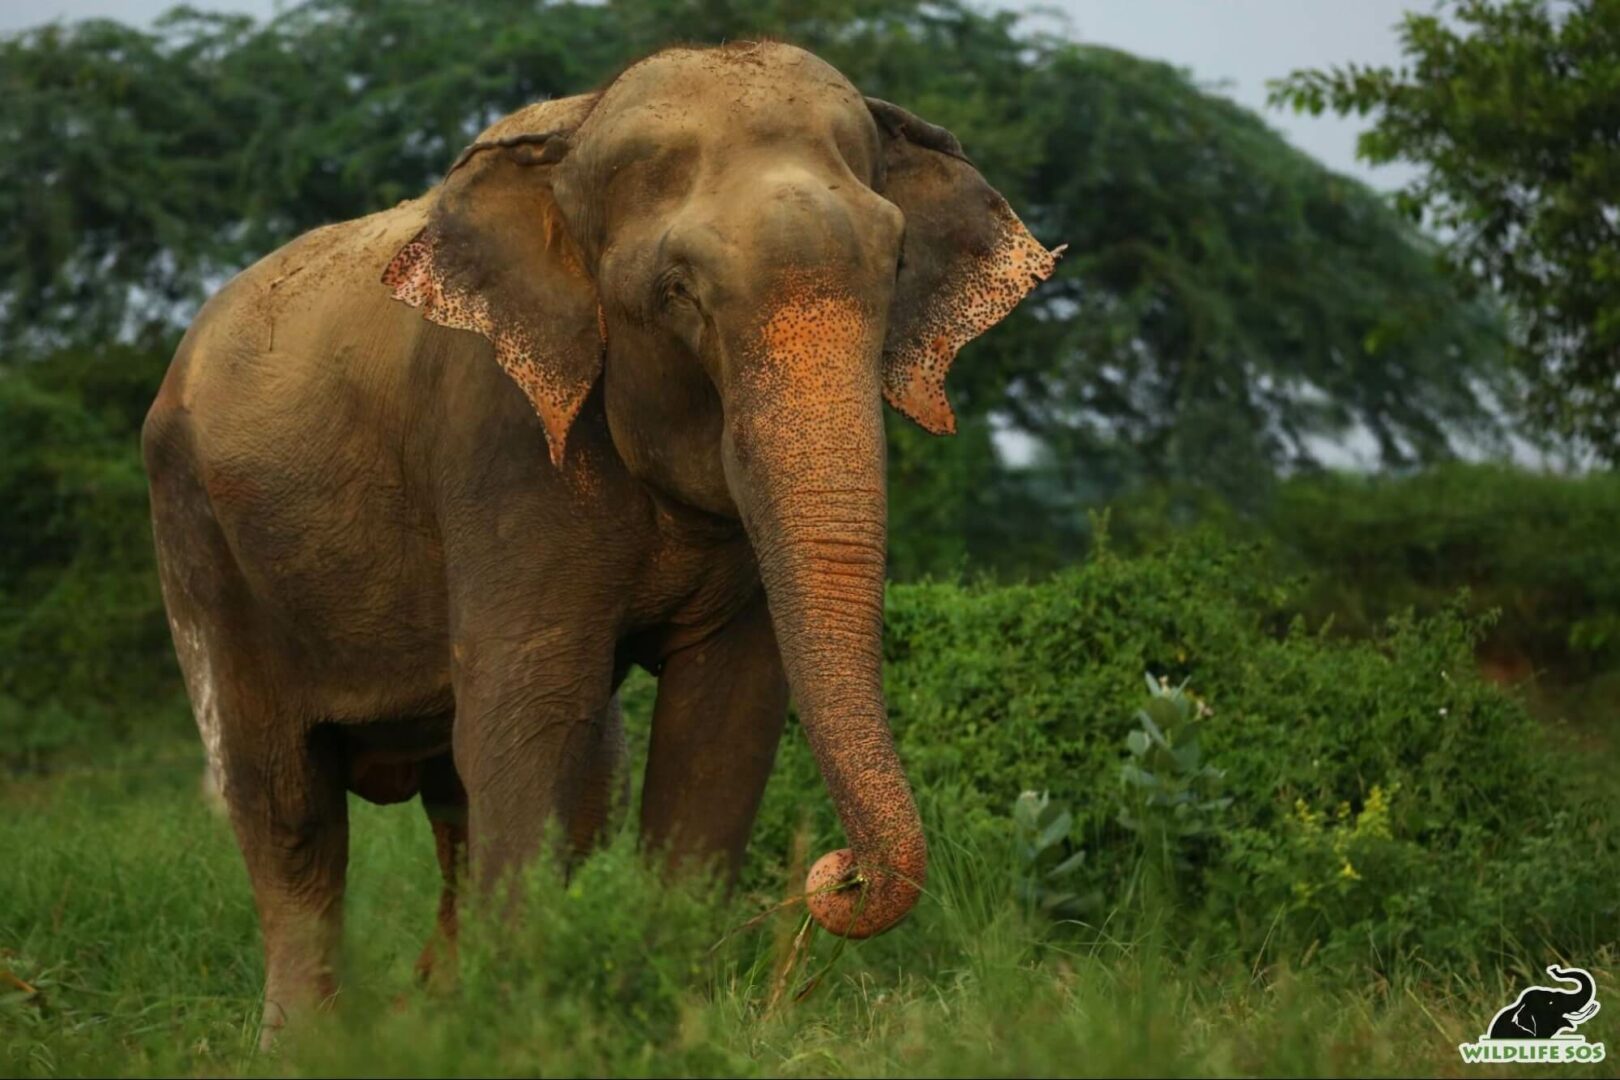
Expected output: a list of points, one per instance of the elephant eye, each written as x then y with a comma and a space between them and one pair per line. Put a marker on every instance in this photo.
674, 290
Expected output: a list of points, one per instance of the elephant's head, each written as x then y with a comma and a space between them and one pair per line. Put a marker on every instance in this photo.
752, 256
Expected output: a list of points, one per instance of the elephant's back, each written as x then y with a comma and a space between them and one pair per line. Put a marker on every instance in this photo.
296, 319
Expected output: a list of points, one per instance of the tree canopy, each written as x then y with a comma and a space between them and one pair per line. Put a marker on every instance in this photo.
1513, 110
1226, 306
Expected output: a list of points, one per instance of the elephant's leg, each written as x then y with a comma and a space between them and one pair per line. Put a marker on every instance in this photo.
604, 785
528, 725
282, 780
721, 707
284, 786
445, 801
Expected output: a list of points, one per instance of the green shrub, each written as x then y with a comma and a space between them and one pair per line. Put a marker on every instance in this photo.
1387, 803
85, 654
1539, 549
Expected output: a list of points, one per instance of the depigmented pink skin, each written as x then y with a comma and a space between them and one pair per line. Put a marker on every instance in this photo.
808, 424
977, 294
535, 301
525, 348
855, 903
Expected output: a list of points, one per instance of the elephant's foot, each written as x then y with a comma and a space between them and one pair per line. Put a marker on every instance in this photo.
287, 1007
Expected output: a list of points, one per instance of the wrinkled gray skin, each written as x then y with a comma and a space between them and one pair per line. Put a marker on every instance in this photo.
427, 483
1542, 1012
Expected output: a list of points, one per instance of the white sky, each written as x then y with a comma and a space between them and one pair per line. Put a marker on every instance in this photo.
1231, 46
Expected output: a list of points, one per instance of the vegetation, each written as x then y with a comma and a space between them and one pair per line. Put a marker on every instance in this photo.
138, 938
1531, 556
1322, 856
1512, 109
85, 654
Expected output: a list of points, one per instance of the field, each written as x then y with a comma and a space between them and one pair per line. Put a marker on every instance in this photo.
139, 940
1245, 933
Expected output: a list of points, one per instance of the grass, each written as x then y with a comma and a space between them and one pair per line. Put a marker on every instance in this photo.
128, 945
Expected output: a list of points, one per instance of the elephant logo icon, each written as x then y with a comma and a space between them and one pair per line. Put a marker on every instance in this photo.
1539, 1025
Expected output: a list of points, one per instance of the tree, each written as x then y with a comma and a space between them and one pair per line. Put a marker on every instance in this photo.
1514, 111
1226, 303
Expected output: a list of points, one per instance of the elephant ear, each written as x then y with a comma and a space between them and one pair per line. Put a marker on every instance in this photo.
966, 261
496, 258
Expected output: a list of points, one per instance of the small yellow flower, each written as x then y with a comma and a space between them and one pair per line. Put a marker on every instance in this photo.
1348, 872
1374, 817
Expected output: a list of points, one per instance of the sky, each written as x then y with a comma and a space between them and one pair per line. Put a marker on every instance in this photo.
1230, 46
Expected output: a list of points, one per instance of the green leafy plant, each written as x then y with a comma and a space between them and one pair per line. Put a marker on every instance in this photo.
1048, 860
1496, 847
1172, 802
1172, 788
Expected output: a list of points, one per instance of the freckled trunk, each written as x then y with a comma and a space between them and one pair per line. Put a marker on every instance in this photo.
823, 568
807, 462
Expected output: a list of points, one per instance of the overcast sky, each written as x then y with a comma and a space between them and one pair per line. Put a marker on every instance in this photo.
1232, 46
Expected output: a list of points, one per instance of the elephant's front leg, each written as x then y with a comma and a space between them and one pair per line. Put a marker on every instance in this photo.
527, 735
721, 707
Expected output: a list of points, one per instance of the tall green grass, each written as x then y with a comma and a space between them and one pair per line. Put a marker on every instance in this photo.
124, 909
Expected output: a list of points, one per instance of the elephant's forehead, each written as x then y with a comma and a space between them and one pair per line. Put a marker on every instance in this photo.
745, 75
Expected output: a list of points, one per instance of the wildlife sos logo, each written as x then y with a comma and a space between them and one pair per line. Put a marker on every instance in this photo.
1539, 1026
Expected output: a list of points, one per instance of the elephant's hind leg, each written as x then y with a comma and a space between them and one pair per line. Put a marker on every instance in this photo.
289, 805
445, 801
282, 777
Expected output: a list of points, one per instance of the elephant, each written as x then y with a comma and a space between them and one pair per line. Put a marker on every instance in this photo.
1541, 1012
426, 484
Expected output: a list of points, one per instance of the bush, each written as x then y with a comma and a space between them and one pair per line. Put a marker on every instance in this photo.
1539, 549
1367, 797
1536, 550
85, 654
1387, 803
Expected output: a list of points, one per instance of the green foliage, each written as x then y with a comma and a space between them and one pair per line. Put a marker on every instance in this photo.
129, 925
1533, 551
1537, 549
1028, 688
1224, 297
1224, 300
1489, 841
1402, 850
84, 648
1170, 798
1511, 108
1048, 861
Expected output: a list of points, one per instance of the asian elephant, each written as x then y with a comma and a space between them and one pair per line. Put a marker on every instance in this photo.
1541, 1012
426, 484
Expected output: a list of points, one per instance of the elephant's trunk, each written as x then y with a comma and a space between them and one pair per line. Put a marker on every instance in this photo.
805, 459
1579, 998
